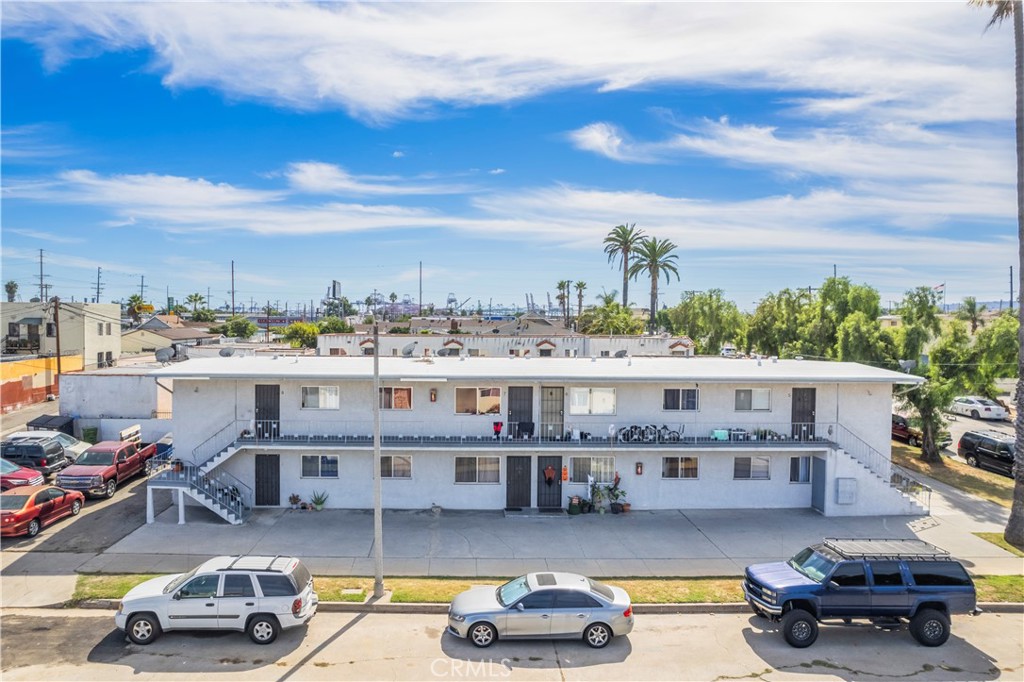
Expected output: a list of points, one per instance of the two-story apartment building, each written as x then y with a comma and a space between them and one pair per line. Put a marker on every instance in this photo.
522, 345
494, 433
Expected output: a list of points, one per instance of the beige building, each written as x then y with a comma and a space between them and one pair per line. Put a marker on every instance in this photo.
92, 330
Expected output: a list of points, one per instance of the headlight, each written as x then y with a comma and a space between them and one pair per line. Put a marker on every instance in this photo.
458, 618
16, 482
97, 480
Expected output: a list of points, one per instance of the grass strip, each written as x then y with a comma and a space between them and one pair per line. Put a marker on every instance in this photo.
984, 484
998, 540
719, 590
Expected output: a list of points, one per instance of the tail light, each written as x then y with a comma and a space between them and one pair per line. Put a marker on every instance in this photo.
42, 462
628, 612
296, 606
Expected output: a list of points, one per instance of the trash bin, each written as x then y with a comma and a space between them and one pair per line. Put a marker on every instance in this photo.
90, 434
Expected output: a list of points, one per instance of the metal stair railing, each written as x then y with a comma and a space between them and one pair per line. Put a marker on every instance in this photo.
224, 490
215, 443
883, 467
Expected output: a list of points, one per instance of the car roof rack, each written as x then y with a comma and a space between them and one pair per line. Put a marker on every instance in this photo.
886, 548
249, 566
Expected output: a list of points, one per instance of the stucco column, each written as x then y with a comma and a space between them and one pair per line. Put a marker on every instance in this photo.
181, 507
149, 505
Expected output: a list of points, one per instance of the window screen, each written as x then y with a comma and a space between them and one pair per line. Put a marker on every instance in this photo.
753, 468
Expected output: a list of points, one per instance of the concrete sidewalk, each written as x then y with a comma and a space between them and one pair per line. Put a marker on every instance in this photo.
491, 544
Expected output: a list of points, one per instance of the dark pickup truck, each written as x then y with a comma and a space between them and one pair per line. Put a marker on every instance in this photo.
104, 466
888, 582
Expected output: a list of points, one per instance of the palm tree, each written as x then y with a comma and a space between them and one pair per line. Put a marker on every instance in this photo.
580, 286
563, 298
654, 256
12, 290
195, 300
971, 312
619, 243
1002, 10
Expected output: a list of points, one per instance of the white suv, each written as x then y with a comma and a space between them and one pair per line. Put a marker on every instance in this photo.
261, 595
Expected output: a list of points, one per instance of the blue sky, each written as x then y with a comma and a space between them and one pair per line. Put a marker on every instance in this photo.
499, 143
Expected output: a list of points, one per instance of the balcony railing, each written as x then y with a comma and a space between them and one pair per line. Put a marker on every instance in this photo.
619, 434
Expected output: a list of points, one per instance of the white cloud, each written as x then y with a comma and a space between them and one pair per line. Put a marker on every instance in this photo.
315, 177
496, 171
44, 236
397, 154
886, 61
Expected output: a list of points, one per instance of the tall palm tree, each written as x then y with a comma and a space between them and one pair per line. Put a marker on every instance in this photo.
580, 286
563, 298
195, 300
654, 256
1002, 10
620, 243
971, 312
12, 290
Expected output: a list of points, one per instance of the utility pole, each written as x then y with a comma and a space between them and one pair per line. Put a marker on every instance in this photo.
378, 521
42, 285
833, 271
267, 319
98, 289
142, 288
56, 330
419, 308
232, 287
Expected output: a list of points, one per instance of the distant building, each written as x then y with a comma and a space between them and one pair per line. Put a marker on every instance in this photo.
505, 345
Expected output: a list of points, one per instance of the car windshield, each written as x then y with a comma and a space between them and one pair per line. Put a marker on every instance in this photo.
90, 458
8, 467
177, 582
812, 564
988, 403
512, 591
13, 502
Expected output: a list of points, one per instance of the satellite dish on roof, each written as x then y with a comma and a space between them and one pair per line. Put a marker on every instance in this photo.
227, 352
620, 353
164, 354
408, 349
442, 352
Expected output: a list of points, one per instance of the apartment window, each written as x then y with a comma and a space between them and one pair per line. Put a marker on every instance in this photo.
591, 401
606, 354
477, 401
108, 329
684, 399
368, 350
319, 466
335, 351
110, 358
13, 329
753, 399
800, 469
601, 468
99, 328
51, 329
320, 398
474, 352
545, 352
751, 468
477, 469
396, 466
396, 398
99, 359
513, 352
679, 467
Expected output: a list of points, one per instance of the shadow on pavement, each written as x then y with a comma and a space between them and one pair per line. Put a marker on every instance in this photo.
499, 659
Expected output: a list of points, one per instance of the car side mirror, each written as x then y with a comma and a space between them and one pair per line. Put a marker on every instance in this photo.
520, 607
833, 585
177, 596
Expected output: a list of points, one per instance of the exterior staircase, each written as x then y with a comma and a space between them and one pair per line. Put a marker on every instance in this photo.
219, 491
915, 496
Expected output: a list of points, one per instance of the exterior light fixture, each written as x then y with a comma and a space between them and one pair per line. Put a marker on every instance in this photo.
639, 468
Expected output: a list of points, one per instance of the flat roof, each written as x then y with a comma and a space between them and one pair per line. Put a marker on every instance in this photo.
629, 369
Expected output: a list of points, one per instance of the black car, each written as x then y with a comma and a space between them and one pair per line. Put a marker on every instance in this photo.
45, 456
988, 450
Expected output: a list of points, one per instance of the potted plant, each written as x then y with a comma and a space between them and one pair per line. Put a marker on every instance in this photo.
615, 495
574, 504
319, 499
294, 500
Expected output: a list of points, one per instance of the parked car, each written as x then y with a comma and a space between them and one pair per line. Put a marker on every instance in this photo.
13, 475
903, 429
106, 465
260, 595
888, 582
72, 446
45, 456
978, 408
988, 450
542, 606
25, 510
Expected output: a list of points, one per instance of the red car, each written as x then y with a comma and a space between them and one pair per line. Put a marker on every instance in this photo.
25, 510
13, 476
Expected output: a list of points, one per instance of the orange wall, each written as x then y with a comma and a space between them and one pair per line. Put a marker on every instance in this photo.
28, 381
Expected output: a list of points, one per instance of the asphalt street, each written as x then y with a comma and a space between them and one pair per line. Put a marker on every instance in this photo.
84, 645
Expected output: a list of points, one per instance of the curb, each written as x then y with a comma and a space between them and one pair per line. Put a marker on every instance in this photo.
441, 609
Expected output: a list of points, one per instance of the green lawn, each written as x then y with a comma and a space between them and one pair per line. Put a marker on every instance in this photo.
984, 484
721, 590
998, 540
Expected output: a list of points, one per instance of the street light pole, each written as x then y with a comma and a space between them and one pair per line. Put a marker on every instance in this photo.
378, 521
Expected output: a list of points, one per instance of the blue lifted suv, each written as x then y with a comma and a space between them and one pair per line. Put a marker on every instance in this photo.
888, 582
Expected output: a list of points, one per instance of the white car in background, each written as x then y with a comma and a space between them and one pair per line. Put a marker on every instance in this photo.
978, 408
73, 447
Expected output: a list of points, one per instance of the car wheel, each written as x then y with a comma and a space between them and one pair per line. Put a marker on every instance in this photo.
76, 507
913, 442
147, 468
482, 635
975, 414
263, 629
972, 460
799, 628
111, 488
597, 636
143, 628
34, 526
930, 627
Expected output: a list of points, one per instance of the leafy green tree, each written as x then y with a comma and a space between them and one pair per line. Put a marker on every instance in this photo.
302, 334
775, 324
955, 360
610, 317
619, 244
237, 327
920, 313
862, 339
11, 287
971, 312
334, 325
998, 347
654, 257
819, 321
929, 400
340, 307
204, 315
708, 319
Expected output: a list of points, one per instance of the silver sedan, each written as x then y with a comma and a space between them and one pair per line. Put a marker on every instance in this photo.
542, 606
